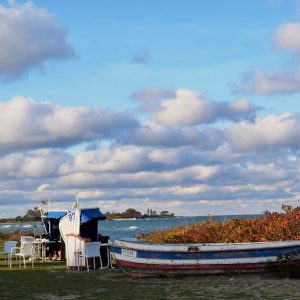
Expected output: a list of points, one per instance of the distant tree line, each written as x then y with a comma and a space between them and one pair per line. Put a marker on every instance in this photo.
30, 216
131, 213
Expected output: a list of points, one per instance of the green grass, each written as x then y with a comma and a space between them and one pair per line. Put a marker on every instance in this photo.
51, 280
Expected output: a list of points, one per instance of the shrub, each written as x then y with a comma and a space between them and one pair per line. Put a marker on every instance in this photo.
273, 226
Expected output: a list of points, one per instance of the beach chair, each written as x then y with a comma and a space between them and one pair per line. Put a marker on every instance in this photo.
8, 245
91, 250
25, 251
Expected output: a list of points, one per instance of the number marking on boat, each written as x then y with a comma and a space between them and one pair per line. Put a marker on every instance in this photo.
128, 252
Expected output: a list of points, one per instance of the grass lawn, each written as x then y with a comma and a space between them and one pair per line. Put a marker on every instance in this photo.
51, 280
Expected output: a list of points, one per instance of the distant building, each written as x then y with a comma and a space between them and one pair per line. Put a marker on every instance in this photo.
151, 212
164, 213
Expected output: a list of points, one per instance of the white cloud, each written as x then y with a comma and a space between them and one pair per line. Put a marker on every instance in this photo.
165, 156
149, 99
287, 81
264, 83
43, 187
47, 125
29, 37
147, 165
287, 37
42, 164
190, 108
149, 178
272, 131
100, 177
151, 134
110, 159
268, 172
35, 164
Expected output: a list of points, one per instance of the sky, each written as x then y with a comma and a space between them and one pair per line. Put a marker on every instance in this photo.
186, 106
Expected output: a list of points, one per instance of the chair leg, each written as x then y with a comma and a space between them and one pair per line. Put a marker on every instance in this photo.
87, 264
101, 265
77, 262
24, 262
33, 256
9, 260
108, 260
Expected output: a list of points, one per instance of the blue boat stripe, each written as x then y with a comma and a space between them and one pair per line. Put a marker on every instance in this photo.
210, 254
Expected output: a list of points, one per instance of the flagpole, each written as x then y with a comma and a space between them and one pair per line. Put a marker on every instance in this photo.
43, 221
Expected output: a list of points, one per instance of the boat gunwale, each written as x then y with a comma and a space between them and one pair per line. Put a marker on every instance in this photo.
128, 247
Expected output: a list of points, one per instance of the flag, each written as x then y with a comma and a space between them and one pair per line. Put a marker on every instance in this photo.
38, 207
46, 201
76, 202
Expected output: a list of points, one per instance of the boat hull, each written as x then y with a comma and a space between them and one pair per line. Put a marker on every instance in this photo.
141, 259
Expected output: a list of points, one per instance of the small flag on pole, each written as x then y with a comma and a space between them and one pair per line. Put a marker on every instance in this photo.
38, 207
76, 202
46, 201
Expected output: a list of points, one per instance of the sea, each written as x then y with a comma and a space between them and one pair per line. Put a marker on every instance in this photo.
126, 228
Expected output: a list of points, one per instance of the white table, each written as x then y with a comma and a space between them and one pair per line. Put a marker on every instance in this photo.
41, 248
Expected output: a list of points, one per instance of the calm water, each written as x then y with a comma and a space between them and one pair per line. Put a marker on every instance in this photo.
121, 228
130, 228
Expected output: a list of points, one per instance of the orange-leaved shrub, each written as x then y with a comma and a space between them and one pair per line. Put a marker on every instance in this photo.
272, 226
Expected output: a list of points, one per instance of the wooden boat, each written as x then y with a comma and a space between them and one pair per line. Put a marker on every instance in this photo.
140, 259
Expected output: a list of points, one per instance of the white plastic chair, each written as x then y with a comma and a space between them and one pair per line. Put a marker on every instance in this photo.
92, 250
27, 238
108, 258
23, 252
8, 245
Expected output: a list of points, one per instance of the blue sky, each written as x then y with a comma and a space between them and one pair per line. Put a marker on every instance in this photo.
189, 106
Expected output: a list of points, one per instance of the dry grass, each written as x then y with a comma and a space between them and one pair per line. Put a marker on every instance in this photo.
51, 280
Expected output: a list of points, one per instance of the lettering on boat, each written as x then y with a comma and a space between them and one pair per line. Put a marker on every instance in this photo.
128, 252
193, 249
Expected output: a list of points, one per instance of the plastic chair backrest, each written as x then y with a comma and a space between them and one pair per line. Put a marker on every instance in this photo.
26, 248
8, 245
26, 238
92, 249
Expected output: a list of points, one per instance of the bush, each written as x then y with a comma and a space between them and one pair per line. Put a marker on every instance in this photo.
14, 236
272, 226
